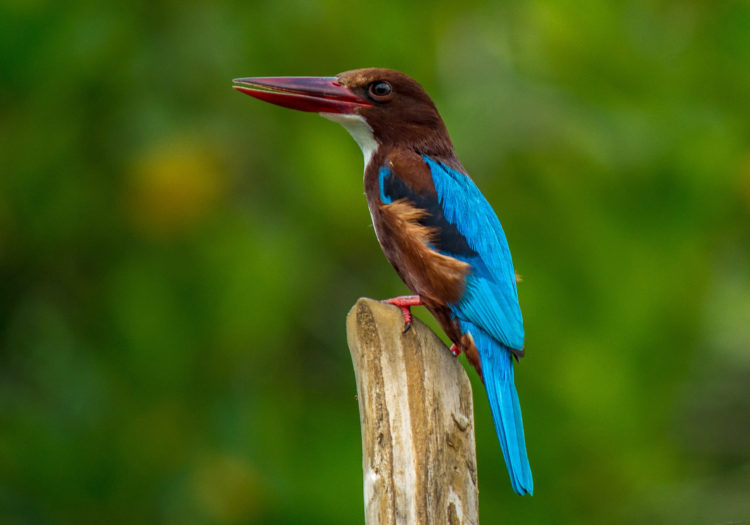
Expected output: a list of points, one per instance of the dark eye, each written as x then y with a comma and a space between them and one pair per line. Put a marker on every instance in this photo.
380, 90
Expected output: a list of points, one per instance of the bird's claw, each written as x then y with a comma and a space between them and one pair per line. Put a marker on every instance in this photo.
455, 350
405, 303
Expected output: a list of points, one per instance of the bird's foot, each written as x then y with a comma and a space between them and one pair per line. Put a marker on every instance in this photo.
455, 350
405, 302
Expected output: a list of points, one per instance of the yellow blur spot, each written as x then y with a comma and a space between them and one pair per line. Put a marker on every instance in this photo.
174, 187
227, 490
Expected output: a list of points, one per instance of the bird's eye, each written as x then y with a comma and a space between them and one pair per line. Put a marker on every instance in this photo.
380, 90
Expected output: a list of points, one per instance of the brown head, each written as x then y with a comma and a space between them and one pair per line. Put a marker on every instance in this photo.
379, 107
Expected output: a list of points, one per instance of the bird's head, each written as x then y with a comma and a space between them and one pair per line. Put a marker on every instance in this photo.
378, 107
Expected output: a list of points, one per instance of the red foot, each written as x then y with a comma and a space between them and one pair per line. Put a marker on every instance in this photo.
455, 350
405, 302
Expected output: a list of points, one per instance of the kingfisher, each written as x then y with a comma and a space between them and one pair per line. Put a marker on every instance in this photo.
435, 227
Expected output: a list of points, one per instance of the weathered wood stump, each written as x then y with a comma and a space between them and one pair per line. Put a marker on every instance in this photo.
417, 417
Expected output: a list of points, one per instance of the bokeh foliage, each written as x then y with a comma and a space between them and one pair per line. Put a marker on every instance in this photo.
176, 259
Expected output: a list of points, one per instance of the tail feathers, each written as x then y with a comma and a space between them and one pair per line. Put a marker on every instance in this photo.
497, 370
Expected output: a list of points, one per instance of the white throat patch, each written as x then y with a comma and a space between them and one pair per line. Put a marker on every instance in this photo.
359, 129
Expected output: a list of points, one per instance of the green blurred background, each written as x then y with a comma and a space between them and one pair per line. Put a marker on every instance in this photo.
177, 259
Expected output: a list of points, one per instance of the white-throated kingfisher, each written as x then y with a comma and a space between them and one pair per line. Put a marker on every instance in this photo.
434, 225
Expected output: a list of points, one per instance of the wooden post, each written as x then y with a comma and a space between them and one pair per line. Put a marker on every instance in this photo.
417, 417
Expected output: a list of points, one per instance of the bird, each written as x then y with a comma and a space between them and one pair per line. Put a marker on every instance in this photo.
433, 224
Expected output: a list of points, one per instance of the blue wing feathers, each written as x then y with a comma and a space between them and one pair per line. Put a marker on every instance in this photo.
491, 299
465, 206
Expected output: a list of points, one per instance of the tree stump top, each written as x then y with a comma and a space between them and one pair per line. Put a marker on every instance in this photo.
417, 418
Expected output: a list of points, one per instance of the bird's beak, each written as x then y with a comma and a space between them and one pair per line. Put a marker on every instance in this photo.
317, 94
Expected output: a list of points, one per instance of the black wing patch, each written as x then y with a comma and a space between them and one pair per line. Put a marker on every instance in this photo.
448, 239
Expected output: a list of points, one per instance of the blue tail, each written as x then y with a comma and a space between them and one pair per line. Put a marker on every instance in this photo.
497, 369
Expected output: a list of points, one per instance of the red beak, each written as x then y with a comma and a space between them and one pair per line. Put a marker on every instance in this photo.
317, 94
